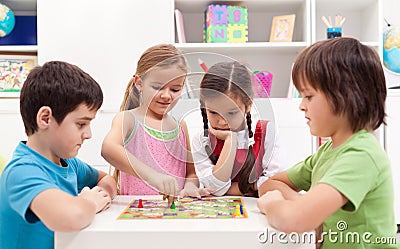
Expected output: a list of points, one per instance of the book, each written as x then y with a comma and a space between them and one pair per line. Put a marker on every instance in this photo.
179, 26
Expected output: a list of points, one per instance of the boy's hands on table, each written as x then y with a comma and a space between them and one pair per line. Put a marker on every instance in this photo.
98, 196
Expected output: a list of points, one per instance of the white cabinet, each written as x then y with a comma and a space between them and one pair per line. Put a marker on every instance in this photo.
12, 128
392, 144
90, 151
293, 128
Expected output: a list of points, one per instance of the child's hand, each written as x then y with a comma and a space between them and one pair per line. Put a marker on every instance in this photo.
221, 134
192, 190
165, 184
98, 196
267, 198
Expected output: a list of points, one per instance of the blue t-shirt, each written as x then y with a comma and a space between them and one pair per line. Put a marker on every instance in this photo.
25, 176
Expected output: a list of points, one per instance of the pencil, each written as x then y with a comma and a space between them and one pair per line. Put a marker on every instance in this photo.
323, 18
342, 21
202, 65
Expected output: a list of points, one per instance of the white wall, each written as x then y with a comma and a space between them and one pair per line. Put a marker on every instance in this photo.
104, 38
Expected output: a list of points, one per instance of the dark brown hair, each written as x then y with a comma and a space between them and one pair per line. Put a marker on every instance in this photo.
351, 77
62, 87
234, 79
161, 55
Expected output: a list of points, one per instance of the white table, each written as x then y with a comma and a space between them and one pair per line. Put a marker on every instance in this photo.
108, 232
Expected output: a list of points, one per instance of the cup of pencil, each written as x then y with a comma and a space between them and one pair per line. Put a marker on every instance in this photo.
333, 30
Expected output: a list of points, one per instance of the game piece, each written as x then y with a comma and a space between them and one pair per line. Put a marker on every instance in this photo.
245, 215
241, 209
237, 211
140, 204
173, 205
186, 208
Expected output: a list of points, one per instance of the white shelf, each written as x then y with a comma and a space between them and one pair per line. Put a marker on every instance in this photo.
9, 94
19, 48
372, 44
270, 47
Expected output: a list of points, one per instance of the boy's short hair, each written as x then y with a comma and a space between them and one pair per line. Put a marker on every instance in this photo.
60, 86
351, 77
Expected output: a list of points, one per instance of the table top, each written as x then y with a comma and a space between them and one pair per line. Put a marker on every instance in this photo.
106, 231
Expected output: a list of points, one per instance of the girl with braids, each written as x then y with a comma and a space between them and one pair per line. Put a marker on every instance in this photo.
234, 155
145, 143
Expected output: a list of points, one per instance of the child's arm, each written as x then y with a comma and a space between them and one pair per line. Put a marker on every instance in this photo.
234, 189
192, 182
274, 156
303, 214
205, 167
77, 212
223, 168
282, 183
114, 152
108, 183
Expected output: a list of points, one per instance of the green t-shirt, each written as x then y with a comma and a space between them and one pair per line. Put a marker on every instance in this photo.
360, 170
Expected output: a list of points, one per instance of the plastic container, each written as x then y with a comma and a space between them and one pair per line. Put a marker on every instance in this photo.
333, 32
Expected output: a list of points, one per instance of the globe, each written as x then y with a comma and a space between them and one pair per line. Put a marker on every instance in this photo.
7, 20
391, 48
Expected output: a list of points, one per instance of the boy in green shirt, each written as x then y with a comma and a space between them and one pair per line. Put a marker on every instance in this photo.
349, 199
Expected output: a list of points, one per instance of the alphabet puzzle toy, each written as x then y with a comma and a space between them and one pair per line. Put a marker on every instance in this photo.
225, 23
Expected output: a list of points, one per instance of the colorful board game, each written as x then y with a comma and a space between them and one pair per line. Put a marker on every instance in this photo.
186, 208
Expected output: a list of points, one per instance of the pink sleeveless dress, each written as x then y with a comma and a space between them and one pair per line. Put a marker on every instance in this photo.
165, 152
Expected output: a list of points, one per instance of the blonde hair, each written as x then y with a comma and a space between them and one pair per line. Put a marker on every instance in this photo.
161, 55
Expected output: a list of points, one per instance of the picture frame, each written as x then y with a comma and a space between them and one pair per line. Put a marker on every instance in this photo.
282, 28
13, 72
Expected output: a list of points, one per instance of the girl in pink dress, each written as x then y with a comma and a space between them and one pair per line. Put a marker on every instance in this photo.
145, 143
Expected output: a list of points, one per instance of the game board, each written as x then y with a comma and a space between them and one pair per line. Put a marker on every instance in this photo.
186, 208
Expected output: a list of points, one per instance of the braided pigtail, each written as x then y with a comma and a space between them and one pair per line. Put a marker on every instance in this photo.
205, 119
248, 120
247, 173
213, 157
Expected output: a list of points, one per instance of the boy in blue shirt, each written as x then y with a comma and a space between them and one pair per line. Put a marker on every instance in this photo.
44, 188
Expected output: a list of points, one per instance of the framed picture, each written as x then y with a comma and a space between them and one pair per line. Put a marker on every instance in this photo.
13, 72
282, 28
